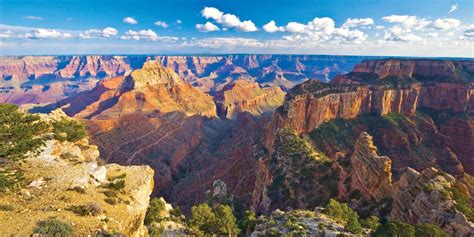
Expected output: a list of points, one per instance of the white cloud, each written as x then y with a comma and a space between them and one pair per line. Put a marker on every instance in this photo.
271, 27
148, 35
107, 32
410, 22
130, 20
208, 27
295, 27
228, 20
162, 24
446, 23
397, 33
35, 18
178, 21
355, 22
454, 8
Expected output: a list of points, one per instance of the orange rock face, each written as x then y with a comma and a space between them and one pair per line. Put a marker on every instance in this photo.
246, 96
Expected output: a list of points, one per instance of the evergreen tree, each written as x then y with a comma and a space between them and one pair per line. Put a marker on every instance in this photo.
225, 224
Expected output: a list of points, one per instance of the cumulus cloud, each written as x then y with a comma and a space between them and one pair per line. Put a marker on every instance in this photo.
454, 8
446, 23
107, 32
162, 24
271, 27
130, 20
410, 22
295, 27
208, 27
228, 20
355, 22
35, 18
397, 33
178, 21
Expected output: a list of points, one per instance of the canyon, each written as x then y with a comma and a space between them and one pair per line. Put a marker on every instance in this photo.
358, 138
43, 79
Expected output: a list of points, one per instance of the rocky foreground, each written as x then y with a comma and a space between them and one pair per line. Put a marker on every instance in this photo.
66, 182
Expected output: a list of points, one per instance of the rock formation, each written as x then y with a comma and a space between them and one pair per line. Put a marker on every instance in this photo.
371, 173
66, 178
246, 96
206, 73
426, 197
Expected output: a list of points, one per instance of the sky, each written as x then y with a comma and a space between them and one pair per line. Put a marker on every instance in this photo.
427, 28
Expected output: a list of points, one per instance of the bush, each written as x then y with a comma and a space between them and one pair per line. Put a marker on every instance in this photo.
202, 218
53, 228
462, 204
395, 229
205, 221
429, 230
341, 212
69, 130
6, 207
111, 200
20, 133
10, 179
91, 209
371, 223
153, 213
116, 185
225, 223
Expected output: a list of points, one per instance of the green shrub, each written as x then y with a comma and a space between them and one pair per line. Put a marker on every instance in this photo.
155, 230
111, 200
116, 185
90, 209
462, 204
429, 230
341, 212
20, 133
10, 179
53, 228
371, 223
6, 207
221, 221
69, 130
395, 229
202, 218
153, 213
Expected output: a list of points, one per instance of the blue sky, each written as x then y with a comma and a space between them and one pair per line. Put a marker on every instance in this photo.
343, 27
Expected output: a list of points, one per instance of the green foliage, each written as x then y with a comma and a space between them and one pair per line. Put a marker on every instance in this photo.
90, 209
10, 179
342, 213
69, 130
155, 230
116, 185
202, 218
20, 133
225, 224
429, 230
111, 200
372, 223
248, 222
6, 207
153, 213
462, 204
53, 228
206, 221
395, 229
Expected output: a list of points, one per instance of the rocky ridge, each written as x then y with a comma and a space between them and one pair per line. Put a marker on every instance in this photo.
66, 178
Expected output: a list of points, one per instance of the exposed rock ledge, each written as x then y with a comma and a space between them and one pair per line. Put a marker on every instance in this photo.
65, 175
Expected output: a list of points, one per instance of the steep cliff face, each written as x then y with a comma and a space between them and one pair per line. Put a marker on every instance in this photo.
312, 103
427, 196
371, 173
64, 179
246, 96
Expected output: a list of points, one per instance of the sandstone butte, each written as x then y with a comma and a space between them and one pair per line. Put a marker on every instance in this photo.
66, 175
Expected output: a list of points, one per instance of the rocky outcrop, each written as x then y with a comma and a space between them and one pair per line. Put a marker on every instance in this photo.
64, 178
313, 103
371, 174
247, 96
461, 133
426, 197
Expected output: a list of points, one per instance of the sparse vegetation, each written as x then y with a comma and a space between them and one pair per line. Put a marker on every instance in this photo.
10, 179
342, 213
69, 130
6, 207
90, 209
53, 228
371, 223
111, 200
154, 211
429, 230
395, 229
462, 204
